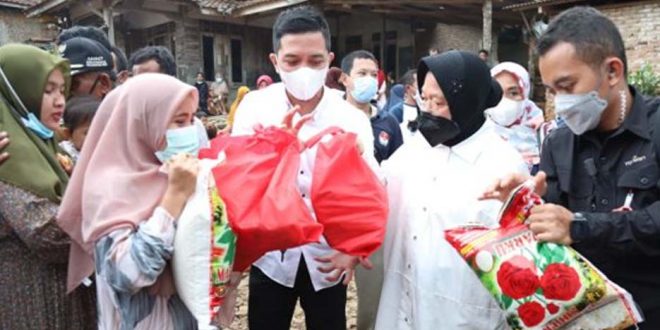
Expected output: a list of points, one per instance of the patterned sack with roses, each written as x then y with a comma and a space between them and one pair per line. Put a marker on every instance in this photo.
540, 285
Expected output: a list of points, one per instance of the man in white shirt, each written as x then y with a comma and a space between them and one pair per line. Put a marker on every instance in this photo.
433, 183
301, 43
411, 99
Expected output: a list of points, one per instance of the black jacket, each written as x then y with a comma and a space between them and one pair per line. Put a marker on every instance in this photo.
203, 91
592, 174
387, 135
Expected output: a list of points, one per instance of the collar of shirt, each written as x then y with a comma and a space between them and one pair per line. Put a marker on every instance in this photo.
374, 111
637, 119
319, 111
468, 150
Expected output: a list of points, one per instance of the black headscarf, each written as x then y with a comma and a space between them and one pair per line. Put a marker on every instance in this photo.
468, 87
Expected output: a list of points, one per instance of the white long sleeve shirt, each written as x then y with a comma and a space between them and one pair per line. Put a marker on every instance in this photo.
268, 107
427, 284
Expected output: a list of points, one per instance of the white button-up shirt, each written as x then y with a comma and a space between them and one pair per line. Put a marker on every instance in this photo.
427, 284
268, 107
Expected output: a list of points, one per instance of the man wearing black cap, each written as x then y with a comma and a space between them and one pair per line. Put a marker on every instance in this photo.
433, 182
91, 67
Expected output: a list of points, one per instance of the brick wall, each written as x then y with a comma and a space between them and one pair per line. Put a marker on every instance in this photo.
461, 37
639, 24
15, 27
188, 49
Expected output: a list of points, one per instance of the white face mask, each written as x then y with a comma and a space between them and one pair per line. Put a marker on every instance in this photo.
303, 83
420, 103
409, 113
506, 112
581, 112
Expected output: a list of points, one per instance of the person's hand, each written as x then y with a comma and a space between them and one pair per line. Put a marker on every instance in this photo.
360, 146
66, 162
339, 264
4, 142
551, 223
502, 188
182, 179
287, 122
182, 174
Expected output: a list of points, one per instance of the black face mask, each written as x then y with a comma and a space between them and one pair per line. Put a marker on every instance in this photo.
435, 129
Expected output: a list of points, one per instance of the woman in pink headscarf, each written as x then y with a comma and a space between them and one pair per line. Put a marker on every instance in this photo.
264, 81
516, 118
122, 203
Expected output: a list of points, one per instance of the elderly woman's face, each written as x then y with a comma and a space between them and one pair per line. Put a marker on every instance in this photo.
434, 99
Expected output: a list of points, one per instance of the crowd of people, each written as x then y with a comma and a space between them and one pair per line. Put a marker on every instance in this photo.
98, 158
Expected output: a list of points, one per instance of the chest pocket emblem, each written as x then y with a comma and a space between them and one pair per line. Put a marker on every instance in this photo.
642, 178
634, 160
383, 138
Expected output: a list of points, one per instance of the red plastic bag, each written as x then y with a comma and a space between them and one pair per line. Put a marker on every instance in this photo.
348, 198
257, 182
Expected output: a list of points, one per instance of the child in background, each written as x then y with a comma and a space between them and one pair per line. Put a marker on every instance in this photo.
77, 118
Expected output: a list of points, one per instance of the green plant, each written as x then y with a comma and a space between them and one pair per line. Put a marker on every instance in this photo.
645, 80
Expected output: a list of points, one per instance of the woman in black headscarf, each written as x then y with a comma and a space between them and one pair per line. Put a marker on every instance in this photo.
464, 89
433, 182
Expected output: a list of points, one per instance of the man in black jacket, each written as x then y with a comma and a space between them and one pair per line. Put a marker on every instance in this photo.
600, 174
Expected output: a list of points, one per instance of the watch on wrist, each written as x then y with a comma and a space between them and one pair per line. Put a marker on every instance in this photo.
579, 227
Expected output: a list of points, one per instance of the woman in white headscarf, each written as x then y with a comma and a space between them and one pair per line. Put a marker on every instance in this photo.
516, 118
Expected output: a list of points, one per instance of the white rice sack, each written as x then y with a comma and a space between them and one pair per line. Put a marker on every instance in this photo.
204, 248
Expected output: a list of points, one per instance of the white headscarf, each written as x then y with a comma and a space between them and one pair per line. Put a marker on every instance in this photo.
531, 110
523, 134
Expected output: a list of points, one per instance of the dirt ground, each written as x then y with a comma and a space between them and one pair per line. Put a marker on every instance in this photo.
298, 323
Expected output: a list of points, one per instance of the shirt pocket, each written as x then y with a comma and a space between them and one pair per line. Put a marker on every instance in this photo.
576, 188
643, 181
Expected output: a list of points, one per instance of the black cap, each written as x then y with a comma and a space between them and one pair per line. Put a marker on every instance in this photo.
86, 55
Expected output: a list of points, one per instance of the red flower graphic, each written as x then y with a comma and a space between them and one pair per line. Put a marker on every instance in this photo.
517, 277
560, 282
552, 308
531, 313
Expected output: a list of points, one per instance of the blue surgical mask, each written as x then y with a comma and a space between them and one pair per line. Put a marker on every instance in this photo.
179, 140
364, 89
37, 127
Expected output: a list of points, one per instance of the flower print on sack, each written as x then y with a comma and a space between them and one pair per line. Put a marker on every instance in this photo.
560, 282
517, 277
531, 313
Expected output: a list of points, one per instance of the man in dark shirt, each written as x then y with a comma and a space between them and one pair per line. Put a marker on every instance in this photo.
203, 90
359, 76
600, 173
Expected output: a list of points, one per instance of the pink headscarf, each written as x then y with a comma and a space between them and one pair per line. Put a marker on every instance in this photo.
116, 182
265, 78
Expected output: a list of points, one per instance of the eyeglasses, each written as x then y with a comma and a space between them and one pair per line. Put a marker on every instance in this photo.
76, 82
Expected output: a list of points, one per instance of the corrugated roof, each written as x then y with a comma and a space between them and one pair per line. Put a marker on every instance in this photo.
231, 7
537, 3
19, 3
215, 4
